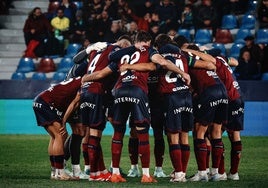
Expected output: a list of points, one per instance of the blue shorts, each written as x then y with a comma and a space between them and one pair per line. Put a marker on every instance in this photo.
178, 112
45, 114
211, 106
131, 100
75, 117
92, 110
235, 115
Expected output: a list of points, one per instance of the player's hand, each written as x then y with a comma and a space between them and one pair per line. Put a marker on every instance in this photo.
63, 131
96, 46
123, 67
186, 78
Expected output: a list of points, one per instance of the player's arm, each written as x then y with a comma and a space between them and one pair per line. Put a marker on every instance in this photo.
166, 64
204, 65
98, 75
202, 55
142, 67
72, 107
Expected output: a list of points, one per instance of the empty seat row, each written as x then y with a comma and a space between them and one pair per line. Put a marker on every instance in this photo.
57, 76
45, 65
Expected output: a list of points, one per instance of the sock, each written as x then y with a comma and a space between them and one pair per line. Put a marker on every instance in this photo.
85, 153
51, 159
175, 156
58, 161
117, 144
93, 152
145, 171
200, 150
101, 165
221, 167
185, 156
208, 156
144, 148
76, 170
66, 148
159, 150
133, 144
217, 151
235, 156
75, 148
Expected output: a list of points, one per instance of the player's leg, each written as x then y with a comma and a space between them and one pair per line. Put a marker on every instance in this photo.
175, 157
200, 150
185, 150
78, 132
133, 143
57, 150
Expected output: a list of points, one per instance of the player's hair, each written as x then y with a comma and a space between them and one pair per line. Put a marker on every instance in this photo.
143, 36
125, 37
180, 40
161, 40
193, 47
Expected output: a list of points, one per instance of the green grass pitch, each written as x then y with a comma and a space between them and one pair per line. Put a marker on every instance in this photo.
24, 163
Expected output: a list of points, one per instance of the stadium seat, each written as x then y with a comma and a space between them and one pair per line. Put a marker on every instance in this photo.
186, 33
223, 36
262, 36
18, 76
248, 21
235, 50
241, 34
229, 21
58, 76
78, 4
46, 65
72, 49
39, 76
26, 65
203, 36
65, 64
264, 76
221, 47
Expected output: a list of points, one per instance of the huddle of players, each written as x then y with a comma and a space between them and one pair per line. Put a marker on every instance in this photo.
147, 79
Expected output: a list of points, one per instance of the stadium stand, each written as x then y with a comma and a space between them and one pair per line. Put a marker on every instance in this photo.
65, 64
203, 36
46, 65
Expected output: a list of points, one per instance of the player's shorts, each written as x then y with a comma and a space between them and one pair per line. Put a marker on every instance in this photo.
45, 114
92, 110
178, 112
235, 115
211, 106
131, 100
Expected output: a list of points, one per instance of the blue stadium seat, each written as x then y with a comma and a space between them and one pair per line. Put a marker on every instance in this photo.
18, 76
221, 47
65, 64
203, 36
186, 33
262, 36
241, 34
229, 21
248, 21
26, 65
72, 49
58, 76
264, 76
235, 50
39, 76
